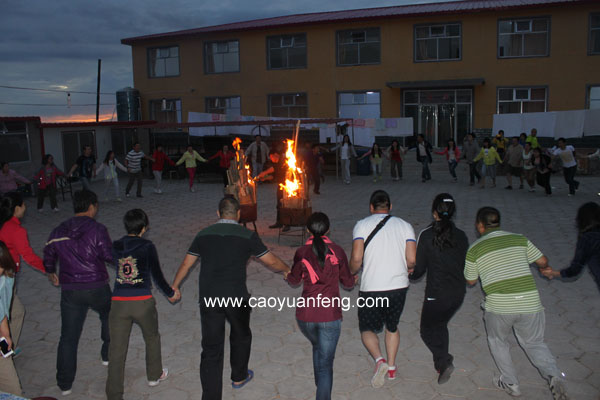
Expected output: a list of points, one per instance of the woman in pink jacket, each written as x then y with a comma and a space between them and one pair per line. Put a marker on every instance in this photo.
452, 153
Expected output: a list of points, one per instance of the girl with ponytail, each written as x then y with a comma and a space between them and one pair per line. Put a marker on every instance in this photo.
441, 253
321, 266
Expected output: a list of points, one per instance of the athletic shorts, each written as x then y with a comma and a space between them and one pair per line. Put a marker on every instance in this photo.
375, 317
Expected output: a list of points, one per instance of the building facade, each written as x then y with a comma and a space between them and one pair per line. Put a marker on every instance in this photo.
450, 66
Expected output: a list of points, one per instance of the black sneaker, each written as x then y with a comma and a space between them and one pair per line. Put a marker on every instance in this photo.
139, 195
508, 187
445, 374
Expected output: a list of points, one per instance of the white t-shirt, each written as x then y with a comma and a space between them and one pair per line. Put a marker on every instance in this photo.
566, 156
345, 151
384, 262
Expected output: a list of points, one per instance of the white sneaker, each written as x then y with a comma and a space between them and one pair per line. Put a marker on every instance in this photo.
558, 388
381, 369
164, 375
192, 190
512, 389
159, 191
55, 209
67, 392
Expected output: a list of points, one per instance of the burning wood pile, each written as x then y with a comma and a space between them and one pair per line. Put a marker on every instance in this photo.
241, 185
295, 205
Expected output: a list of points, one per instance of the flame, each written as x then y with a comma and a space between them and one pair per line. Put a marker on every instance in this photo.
291, 187
248, 174
236, 145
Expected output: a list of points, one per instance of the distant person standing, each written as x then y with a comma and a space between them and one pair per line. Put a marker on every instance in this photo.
189, 158
347, 151
376, 158
512, 303
490, 156
500, 143
470, 151
542, 164
514, 159
313, 160
532, 138
225, 156
441, 252
9, 178
569, 163
395, 153
86, 164
528, 167
160, 158
452, 153
82, 247
386, 263
424, 157
46, 183
111, 177
275, 170
257, 154
133, 162
225, 248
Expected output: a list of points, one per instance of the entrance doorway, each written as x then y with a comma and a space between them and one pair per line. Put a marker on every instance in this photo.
440, 115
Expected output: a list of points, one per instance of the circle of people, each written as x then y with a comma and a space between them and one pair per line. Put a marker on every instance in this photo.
385, 249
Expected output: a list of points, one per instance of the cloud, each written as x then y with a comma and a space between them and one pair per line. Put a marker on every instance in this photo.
57, 43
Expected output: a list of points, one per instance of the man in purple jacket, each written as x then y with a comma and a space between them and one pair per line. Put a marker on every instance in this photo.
82, 247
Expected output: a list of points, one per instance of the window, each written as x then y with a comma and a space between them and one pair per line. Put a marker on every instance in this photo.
166, 110
437, 42
594, 40
286, 51
358, 47
293, 105
223, 105
359, 105
521, 100
594, 97
523, 37
14, 142
221, 57
163, 61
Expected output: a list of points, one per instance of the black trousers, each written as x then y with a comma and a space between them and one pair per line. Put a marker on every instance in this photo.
224, 176
316, 179
473, 173
434, 327
213, 342
74, 305
544, 181
570, 178
134, 176
51, 191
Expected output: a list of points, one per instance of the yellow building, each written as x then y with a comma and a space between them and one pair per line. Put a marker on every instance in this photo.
450, 66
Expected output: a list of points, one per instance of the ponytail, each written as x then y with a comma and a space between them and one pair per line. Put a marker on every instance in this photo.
444, 206
318, 225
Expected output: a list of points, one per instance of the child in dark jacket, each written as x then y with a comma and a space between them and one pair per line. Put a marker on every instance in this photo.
321, 265
136, 260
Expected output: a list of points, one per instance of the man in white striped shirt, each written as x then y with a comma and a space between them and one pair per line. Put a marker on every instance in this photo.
133, 162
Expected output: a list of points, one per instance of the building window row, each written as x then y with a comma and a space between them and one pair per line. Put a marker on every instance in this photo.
519, 37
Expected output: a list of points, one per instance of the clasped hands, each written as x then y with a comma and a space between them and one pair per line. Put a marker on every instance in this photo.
176, 296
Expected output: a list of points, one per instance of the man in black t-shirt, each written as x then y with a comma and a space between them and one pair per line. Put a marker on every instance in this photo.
224, 249
87, 167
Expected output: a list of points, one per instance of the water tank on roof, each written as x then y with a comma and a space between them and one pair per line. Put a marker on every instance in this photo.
128, 104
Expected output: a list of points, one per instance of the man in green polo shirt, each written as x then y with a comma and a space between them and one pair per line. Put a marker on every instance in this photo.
502, 261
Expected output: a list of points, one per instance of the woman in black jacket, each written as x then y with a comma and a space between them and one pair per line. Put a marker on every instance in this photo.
441, 252
588, 245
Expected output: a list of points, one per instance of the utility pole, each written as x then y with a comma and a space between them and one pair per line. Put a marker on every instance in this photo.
98, 92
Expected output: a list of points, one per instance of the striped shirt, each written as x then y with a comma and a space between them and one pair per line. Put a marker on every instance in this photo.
134, 160
501, 259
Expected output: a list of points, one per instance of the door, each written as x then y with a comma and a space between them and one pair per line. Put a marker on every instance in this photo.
428, 123
446, 126
73, 143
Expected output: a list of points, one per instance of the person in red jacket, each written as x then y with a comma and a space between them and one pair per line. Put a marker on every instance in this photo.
46, 182
225, 156
160, 158
12, 209
452, 153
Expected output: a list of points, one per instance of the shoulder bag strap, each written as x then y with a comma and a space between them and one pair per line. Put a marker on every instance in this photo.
377, 229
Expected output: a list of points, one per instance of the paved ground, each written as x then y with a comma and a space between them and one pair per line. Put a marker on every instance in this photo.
281, 356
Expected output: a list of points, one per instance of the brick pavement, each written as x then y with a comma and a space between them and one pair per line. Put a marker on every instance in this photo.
281, 356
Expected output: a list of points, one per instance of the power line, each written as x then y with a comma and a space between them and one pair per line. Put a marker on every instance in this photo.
49, 90
55, 105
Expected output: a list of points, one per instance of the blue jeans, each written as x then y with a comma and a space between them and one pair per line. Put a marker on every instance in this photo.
74, 305
425, 174
452, 167
324, 337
